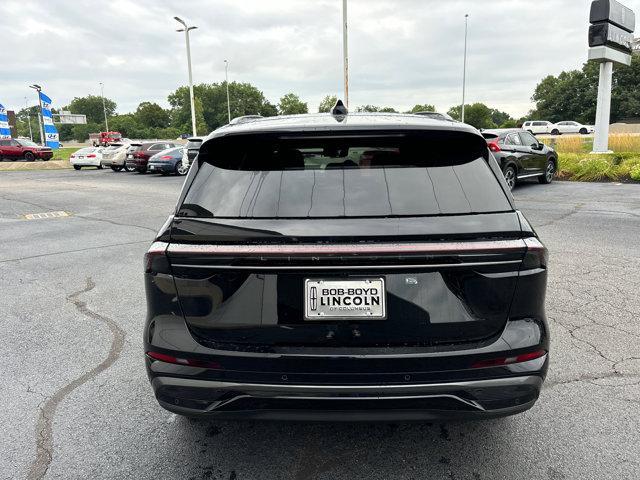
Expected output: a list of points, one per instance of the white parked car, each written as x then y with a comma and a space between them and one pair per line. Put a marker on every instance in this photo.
538, 126
573, 127
114, 156
87, 157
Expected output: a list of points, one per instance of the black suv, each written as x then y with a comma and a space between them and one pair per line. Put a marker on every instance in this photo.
520, 155
346, 267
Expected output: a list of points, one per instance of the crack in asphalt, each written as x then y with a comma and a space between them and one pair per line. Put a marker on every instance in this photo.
84, 217
44, 425
575, 209
72, 251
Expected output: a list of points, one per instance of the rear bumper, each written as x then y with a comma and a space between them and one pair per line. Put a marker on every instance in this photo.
476, 399
160, 167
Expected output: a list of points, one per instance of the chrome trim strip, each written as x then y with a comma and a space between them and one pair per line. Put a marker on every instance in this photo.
472, 403
352, 267
530, 175
345, 249
271, 390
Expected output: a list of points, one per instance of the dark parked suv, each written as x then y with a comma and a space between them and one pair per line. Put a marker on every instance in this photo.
138, 157
346, 267
520, 155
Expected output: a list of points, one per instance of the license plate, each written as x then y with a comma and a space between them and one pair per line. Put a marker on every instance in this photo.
362, 298
152, 167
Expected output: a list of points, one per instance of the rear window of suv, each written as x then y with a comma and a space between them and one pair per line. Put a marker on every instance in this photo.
271, 176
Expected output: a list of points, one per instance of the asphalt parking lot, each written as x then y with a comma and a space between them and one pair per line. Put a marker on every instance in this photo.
77, 404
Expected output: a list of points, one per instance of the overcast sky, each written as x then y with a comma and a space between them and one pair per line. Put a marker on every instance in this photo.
401, 52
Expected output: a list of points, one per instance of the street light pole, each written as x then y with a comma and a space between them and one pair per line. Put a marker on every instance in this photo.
345, 53
104, 108
26, 106
186, 31
38, 89
464, 68
226, 80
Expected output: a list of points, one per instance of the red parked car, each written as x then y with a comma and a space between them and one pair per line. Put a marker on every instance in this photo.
15, 149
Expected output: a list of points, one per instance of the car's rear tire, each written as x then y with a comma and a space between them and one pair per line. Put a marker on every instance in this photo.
549, 173
99, 167
555, 131
583, 131
29, 156
116, 168
128, 169
77, 167
510, 176
180, 170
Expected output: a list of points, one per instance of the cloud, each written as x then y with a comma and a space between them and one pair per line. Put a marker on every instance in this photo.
401, 53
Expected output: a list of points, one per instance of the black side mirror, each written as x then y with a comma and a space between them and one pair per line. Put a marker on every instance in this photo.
537, 146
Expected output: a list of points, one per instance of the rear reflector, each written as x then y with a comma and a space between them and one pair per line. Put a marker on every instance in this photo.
500, 361
191, 362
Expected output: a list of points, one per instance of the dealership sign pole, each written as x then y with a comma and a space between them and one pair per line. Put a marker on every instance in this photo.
610, 40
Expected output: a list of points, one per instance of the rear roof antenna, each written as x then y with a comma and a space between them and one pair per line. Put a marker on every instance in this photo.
339, 109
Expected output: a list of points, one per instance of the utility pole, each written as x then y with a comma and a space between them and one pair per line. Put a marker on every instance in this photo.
38, 89
345, 52
186, 31
226, 81
104, 108
26, 106
464, 68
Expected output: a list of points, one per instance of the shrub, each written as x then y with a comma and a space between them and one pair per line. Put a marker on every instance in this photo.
588, 167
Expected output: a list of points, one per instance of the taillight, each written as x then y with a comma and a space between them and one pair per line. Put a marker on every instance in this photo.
166, 157
536, 255
501, 361
91, 155
494, 147
192, 362
155, 260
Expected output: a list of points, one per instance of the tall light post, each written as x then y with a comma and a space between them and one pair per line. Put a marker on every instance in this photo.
104, 108
26, 107
345, 53
464, 68
226, 80
38, 89
186, 31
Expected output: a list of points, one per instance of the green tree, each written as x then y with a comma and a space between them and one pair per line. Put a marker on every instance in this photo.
81, 132
290, 104
327, 104
245, 99
502, 119
91, 106
128, 125
23, 117
374, 108
152, 115
422, 108
477, 114
573, 95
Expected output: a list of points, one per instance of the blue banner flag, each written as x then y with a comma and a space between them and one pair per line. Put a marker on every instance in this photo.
5, 131
50, 133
